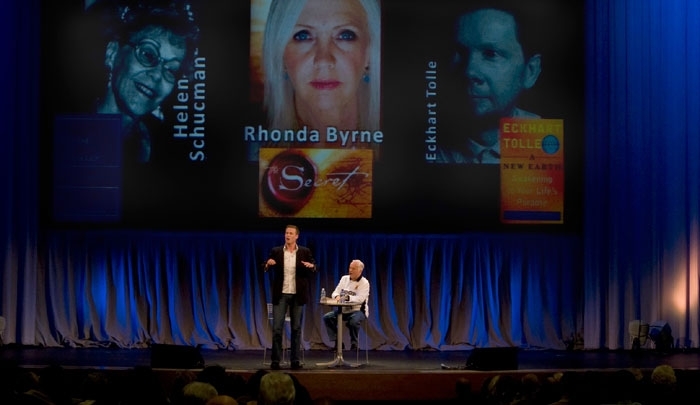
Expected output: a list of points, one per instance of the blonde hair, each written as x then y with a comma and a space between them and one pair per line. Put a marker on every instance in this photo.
664, 375
276, 389
278, 92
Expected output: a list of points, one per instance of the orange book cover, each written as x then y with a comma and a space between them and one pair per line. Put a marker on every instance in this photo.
532, 170
315, 183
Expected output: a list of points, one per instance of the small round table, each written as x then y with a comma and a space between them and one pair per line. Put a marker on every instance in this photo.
338, 361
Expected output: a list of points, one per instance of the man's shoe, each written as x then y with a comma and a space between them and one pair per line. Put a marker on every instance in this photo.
296, 365
275, 365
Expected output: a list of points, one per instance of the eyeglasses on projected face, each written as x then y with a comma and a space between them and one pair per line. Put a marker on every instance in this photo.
147, 53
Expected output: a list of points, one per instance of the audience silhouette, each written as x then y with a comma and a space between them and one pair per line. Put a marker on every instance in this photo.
214, 385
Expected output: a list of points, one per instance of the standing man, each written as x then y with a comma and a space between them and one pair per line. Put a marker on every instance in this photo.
354, 289
495, 60
292, 266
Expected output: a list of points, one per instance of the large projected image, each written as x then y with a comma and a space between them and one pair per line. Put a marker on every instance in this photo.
315, 71
353, 114
498, 56
318, 66
137, 55
135, 78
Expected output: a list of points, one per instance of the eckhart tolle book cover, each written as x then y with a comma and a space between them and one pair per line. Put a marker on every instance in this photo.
532, 170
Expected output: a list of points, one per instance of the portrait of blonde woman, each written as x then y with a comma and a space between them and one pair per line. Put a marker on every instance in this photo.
318, 69
321, 64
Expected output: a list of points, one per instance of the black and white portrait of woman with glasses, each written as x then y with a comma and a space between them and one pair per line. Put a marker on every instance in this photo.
150, 46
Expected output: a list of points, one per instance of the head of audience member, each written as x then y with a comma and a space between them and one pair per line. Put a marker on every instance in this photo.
230, 384
198, 393
253, 383
500, 389
181, 378
554, 388
664, 385
321, 64
212, 373
222, 400
663, 375
276, 388
637, 373
530, 388
302, 396
621, 387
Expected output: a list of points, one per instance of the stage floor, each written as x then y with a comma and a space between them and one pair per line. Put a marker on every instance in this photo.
407, 360
393, 375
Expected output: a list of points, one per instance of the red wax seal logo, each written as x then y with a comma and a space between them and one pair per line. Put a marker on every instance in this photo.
288, 182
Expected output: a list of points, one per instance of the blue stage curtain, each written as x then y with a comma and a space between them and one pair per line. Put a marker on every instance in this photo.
442, 292
637, 257
642, 169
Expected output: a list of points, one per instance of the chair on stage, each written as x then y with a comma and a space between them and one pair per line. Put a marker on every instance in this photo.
286, 343
362, 332
639, 333
362, 343
362, 339
362, 336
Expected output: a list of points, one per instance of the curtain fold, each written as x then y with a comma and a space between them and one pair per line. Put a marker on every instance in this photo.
642, 150
429, 292
637, 257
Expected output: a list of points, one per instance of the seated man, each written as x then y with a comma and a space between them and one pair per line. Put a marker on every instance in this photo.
352, 288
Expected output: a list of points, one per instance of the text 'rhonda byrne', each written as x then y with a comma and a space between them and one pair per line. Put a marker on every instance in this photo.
191, 123
431, 111
332, 135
